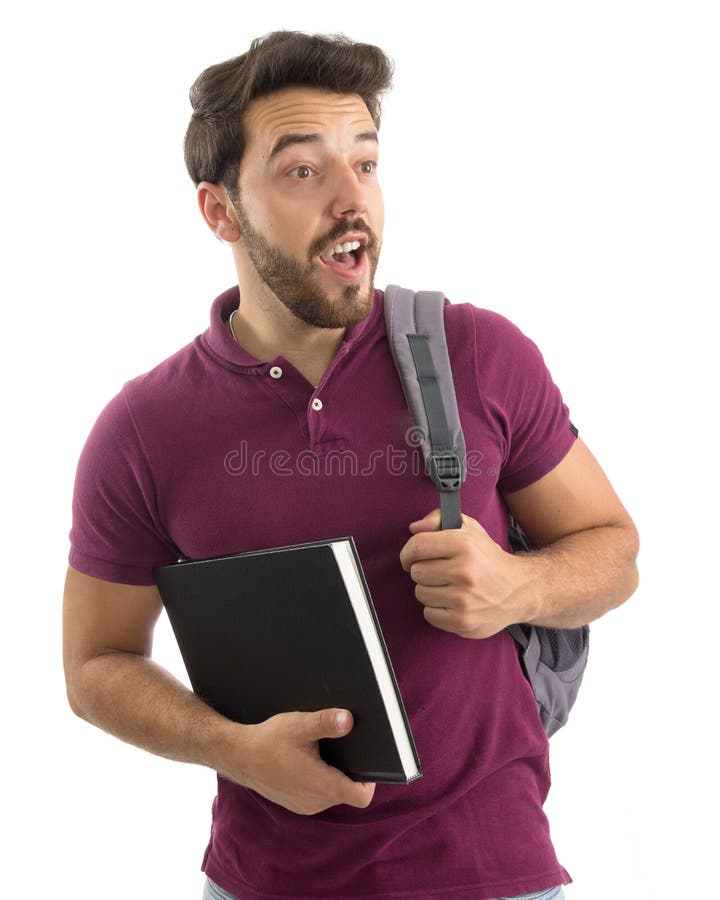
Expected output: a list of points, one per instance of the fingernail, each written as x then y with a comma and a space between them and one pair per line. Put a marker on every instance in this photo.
342, 721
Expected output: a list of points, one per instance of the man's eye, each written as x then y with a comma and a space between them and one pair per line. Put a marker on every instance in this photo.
301, 172
368, 167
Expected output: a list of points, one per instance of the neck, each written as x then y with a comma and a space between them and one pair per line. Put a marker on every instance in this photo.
266, 329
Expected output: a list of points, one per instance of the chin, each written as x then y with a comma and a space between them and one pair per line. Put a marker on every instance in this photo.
352, 306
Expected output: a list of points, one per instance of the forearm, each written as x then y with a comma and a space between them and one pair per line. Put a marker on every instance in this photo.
580, 577
133, 698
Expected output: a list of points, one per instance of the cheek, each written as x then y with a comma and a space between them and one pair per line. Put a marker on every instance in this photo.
268, 210
377, 210
284, 223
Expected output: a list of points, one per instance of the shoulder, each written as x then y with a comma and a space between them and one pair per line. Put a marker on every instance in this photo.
149, 401
166, 384
165, 373
488, 326
496, 342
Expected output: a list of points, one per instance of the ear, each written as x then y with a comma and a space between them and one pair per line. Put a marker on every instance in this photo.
217, 210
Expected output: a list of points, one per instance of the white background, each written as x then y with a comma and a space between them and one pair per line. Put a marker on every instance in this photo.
555, 161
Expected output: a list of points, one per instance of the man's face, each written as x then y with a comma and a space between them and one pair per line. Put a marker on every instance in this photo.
307, 185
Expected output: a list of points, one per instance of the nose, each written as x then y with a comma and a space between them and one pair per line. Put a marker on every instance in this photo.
349, 194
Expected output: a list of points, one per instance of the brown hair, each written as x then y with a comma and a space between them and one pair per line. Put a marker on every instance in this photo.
214, 141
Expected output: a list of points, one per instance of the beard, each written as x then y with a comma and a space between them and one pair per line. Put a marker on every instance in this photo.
296, 285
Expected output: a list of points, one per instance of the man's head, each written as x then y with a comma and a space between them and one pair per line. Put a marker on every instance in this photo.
215, 139
283, 148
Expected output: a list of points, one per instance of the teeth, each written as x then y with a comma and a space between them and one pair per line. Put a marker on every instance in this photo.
346, 248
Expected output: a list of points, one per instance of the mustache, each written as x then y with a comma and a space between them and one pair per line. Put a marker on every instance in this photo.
341, 228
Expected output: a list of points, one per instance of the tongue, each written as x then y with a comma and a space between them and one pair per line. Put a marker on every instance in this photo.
341, 261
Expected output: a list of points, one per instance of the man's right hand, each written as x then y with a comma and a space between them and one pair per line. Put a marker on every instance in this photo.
280, 760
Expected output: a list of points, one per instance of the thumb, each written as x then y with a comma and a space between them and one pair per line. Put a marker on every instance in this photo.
328, 723
431, 522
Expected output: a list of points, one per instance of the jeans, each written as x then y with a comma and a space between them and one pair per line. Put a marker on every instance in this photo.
213, 892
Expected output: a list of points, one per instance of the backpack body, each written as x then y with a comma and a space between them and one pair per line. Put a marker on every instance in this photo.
553, 659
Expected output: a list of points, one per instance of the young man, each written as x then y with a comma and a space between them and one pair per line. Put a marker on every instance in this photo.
233, 444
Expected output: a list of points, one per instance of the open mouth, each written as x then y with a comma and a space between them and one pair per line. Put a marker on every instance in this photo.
346, 257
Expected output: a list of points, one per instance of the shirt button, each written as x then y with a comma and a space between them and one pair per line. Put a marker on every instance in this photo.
276, 372
317, 405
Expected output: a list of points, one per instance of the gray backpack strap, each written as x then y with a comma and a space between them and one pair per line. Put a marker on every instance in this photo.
415, 327
553, 659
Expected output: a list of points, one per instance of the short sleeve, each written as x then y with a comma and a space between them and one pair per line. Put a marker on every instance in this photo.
116, 533
522, 400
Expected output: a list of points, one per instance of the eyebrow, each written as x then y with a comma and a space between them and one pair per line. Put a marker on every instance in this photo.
287, 140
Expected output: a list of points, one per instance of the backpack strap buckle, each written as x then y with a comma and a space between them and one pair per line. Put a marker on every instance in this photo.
445, 471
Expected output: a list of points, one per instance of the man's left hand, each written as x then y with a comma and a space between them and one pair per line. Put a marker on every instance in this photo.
467, 583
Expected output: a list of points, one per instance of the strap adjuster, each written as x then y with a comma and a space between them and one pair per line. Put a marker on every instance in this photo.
445, 470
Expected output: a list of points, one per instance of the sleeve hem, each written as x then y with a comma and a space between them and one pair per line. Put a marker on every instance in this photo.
538, 469
140, 576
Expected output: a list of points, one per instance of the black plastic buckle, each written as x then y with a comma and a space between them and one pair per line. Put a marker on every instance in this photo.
445, 471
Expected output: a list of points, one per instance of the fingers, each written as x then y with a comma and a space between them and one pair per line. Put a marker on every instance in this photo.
428, 543
336, 723
425, 545
431, 522
433, 573
361, 794
326, 723
435, 597
454, 622
343, 789
282, 762
337, 787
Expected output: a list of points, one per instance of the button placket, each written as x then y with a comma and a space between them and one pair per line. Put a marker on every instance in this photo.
293, 390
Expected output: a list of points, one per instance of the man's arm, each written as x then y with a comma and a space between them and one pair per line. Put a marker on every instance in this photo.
113, 683
585, 565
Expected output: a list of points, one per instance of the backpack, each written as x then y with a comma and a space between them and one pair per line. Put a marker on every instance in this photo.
553, 659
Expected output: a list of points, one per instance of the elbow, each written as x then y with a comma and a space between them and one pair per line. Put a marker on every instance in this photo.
633, 580
633, 552
73, 690
75, 707
73, 698
631, 573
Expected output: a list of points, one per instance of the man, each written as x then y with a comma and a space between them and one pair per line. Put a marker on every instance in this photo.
233, 444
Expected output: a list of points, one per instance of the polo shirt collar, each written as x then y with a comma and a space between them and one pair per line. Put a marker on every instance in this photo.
218, 340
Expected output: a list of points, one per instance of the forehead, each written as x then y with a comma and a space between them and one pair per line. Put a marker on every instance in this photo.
302, 110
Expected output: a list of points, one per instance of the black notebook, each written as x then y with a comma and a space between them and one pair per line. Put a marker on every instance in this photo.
293, 629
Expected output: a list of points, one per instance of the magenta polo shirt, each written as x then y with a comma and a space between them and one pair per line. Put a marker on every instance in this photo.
213, 452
